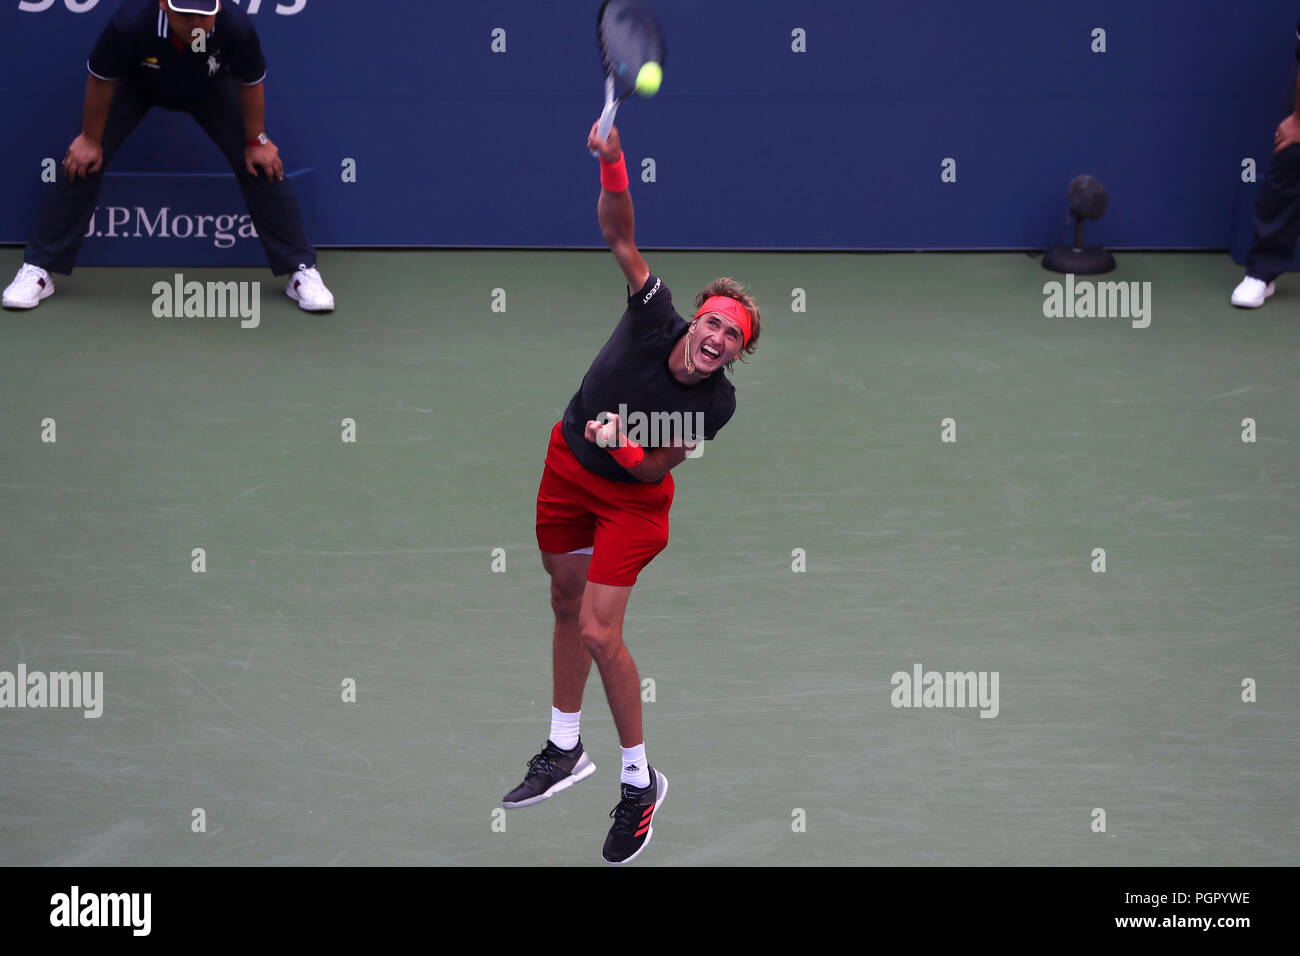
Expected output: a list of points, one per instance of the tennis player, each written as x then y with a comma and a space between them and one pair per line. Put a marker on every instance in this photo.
602, 507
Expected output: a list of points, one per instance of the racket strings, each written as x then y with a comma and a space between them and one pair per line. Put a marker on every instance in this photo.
629, 37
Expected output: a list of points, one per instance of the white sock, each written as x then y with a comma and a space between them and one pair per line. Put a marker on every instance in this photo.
564, 729
635, 769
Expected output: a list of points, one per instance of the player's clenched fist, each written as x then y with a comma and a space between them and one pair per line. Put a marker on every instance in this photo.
608, 149
604, 435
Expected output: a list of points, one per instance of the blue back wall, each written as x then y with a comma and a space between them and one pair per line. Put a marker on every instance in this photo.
755, 145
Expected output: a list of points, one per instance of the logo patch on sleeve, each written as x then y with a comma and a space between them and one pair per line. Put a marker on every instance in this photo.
651, 294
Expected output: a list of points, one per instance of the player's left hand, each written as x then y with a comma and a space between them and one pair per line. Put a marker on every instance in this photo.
606, 435
265, 158
1287, 133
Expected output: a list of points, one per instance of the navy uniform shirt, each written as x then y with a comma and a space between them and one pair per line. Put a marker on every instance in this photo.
632, 369
137, 48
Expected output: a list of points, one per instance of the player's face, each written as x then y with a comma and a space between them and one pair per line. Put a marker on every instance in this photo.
715, 341
184, 24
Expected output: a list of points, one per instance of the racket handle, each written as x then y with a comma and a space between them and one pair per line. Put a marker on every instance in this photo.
607, 120
607, 114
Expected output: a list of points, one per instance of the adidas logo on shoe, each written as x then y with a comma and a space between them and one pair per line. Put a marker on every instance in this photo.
633, 816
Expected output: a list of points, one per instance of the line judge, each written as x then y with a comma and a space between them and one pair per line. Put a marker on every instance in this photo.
150, 55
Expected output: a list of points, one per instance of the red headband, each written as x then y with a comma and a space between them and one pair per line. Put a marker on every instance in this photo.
732, 309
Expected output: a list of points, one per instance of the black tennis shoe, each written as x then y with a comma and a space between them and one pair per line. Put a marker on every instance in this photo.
632, 817
549, 772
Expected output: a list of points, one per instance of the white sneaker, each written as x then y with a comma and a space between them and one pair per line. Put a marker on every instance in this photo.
28, 288
1251, 293
307, 287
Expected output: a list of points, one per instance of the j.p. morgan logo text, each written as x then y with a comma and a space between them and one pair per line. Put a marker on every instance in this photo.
82, 690
136, 222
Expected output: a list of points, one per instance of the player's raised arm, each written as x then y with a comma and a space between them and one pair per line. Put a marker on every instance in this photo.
614, 209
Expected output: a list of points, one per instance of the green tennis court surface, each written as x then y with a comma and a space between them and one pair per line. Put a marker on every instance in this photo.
372, 561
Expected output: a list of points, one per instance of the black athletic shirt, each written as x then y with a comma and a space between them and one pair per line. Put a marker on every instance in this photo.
632, 369
137, 48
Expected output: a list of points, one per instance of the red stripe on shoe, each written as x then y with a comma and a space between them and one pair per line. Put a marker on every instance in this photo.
648, 810
642, 830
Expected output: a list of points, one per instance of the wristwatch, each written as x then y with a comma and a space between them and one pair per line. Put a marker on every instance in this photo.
260, 141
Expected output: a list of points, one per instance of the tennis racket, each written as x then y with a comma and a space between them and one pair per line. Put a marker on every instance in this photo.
630, 37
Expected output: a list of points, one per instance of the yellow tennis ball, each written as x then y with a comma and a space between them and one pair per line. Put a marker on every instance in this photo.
648, 79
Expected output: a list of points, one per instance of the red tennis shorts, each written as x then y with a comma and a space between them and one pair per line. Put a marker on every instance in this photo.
624, 523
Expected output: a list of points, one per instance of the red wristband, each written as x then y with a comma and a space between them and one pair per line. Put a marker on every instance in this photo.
613, 176
629, 455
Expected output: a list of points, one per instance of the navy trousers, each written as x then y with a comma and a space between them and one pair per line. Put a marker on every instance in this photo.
1277, 218
66, 210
